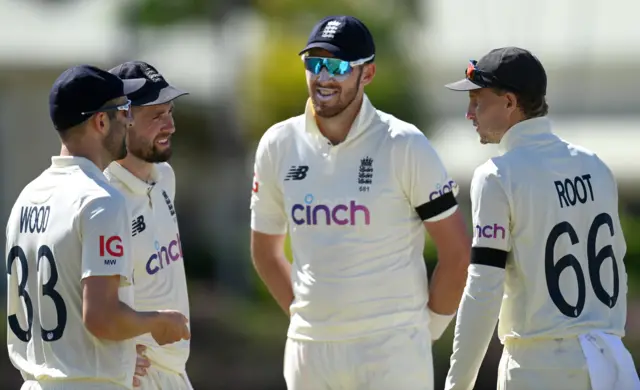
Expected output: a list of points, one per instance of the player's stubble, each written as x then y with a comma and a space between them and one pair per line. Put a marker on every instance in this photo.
116, 140
346, 97
146, 150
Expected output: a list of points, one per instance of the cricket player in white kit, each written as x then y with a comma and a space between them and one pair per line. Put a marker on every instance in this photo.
548, 248
149, 185
69, 263
355, 188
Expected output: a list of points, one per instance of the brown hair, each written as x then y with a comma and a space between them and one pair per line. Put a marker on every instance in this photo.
532, 106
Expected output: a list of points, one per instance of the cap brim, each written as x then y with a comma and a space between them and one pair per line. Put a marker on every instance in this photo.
162, 96
463, 85
132, 85
331, 48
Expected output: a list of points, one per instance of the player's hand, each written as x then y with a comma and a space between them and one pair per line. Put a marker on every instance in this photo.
142, 363
171, 326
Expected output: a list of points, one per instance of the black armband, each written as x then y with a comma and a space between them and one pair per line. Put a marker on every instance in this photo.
489, 256
437, 206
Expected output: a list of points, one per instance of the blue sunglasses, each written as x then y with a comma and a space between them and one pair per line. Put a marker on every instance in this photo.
334, 66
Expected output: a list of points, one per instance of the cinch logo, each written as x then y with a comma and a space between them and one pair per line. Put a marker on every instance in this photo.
340, 214
164, 255
490, 231
449, 187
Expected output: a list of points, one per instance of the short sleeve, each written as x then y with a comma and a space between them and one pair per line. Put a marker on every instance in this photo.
490, 212
106, 239
431, 192
267, 201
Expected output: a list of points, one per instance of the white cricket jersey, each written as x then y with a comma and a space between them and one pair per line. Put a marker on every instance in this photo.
67, 224
356, 236
159, 278
554, 207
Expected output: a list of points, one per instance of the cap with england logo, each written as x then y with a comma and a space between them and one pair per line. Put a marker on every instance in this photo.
510, 68
346, 37
156, 89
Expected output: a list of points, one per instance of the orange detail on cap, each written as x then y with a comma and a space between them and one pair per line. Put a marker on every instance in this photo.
470, 71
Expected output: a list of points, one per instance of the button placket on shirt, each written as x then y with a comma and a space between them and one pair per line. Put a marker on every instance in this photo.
149, 189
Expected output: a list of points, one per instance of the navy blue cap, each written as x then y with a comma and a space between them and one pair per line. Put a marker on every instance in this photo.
510, 68
345, 37
156, 89
84, 88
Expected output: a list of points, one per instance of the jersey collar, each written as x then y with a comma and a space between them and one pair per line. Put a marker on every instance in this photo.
136, 185
360, 124
75, 161
525, 132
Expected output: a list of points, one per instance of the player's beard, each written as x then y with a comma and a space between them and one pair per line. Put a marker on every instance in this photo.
345, 98
148, 153
116, 140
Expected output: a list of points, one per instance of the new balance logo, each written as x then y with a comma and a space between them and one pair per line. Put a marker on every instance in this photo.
138, 225
109, 261
297, 172
330, 29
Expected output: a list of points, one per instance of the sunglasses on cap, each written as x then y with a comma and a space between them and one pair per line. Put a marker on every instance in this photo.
484, 79
334, 66
126, 107
476, 76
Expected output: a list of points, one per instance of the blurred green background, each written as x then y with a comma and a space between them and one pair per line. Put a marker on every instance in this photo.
238, 58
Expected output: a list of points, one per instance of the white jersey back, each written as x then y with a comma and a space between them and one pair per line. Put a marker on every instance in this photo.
560, 222
66, 225
355, 215
160, 282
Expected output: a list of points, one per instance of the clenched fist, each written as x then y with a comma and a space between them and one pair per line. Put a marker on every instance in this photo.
170, 326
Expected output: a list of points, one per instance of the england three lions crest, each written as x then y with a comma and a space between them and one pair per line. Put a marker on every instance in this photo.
365, 174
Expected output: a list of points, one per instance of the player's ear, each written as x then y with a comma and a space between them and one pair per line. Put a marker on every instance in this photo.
101, 122
368, 72
511, 101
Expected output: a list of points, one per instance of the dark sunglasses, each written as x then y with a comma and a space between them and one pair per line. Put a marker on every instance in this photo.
126, 107
334, 66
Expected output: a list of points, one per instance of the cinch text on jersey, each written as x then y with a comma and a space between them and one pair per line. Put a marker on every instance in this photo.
572, 191
450, 186
490, 231
164, 255
34, 219
339, 214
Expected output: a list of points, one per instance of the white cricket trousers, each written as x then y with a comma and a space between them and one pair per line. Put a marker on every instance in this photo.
70, 385
400, 359
594, 361
160, 379
156, 379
